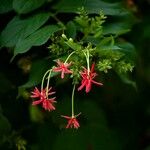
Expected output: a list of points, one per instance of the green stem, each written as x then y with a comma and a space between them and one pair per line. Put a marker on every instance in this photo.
69, 57
42, 84
48, 80
87, 56
88, 63
73, 100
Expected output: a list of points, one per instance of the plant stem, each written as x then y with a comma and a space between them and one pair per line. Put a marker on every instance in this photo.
88, 61
48, 79
42, 84
73, 100
69, 56
87, 56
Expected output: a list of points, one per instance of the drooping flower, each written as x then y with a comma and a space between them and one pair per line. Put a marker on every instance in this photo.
47, 103
87, 79
72, 122
63, 68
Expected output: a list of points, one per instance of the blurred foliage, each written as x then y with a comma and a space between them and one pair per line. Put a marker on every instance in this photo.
114, 117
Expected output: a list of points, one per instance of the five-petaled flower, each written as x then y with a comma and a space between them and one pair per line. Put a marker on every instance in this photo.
87, 79
72, 122
47, 103
63, 68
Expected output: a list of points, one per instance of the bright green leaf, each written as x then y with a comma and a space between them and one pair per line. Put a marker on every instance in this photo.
5, 6
25, 6
18, 29
36, 39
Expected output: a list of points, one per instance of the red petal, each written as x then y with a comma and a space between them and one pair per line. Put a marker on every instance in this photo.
37, 102
97, 83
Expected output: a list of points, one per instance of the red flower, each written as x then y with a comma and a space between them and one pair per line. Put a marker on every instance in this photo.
87, 79
47, 103
62, 67
72, 122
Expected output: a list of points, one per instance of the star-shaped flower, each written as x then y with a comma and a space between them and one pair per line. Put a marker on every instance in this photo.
72, 121
47, 103
63, 68
87, 79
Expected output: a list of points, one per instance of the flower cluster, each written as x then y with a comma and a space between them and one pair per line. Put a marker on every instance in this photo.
44, 96
88, 56
47, 103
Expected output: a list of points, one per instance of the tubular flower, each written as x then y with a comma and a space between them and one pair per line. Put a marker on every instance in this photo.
63, 68
72, 122
47, 103
87, 79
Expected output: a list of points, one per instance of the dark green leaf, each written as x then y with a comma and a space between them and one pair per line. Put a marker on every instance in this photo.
18, 29
128, 49
91, 6
117, 28
25, 6
36, 39
71, 30
5, 6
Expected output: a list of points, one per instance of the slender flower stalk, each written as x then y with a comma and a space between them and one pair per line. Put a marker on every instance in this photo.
43, 79
72, 100
72, 121
43, 95
69, 56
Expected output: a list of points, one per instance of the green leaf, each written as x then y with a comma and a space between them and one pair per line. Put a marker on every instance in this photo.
18, 29
36, 39
128, 49
5, 6
91, 6
26, 6
71, 30
116, 28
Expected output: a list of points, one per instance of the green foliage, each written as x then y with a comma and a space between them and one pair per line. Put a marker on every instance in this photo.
93, 6
18, 29
26, 6
113, 117
36, 39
